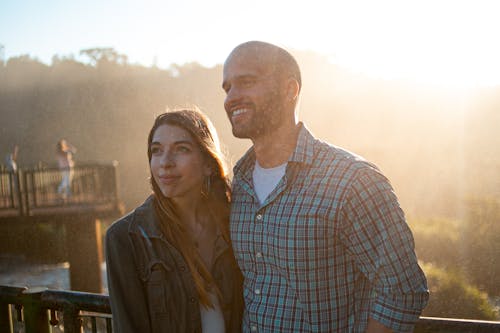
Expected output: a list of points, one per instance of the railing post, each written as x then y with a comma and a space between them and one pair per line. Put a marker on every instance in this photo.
12, 188
5, 318
72, 320
9, 295
84, 244
36, 317
26, 208
34, 188
115, 178
17, 178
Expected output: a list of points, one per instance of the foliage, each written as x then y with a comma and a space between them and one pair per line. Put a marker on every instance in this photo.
452, 296
481, 238
471, 245
437, 241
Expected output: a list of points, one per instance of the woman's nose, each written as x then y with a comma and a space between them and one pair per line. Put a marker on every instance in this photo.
167, 160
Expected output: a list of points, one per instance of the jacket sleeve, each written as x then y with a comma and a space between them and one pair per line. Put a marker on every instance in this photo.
127, 297
377, 236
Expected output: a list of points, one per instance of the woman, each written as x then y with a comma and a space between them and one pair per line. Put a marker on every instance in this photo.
170, 263
64, 155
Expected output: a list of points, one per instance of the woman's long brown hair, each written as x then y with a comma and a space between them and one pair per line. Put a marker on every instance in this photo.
216, 203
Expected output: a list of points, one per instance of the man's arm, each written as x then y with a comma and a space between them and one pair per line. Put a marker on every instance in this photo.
378, 238
376, 327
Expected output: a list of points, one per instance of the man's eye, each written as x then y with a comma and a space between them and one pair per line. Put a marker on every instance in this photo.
247, 83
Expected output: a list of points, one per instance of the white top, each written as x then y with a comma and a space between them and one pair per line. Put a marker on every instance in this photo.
65, 159
265, 180
212, 320
11, 163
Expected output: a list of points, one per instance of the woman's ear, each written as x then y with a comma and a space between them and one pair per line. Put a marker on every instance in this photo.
207, 169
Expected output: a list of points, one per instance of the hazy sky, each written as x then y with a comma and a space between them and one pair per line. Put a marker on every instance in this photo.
439, 41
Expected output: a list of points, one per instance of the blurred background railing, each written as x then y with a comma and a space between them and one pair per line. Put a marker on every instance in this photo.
30, 191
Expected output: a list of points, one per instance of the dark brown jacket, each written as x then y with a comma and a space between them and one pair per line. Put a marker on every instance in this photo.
150, 285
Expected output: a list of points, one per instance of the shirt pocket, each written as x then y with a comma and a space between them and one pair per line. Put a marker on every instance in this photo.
162, 289
300, 244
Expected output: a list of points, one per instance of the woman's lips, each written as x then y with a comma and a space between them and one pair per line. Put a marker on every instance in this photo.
168, 180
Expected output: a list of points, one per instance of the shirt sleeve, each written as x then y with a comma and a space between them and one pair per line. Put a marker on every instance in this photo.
377, 236
127, 298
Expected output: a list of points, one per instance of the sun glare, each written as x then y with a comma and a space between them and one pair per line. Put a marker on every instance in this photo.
438, 42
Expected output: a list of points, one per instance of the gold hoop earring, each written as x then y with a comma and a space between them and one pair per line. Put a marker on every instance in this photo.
205, 187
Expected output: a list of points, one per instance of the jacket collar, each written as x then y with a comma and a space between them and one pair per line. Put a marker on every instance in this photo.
145, 220
146, 223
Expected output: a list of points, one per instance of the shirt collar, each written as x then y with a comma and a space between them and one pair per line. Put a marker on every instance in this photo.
303, 152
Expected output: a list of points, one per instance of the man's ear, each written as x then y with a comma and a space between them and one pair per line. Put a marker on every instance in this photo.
292, 89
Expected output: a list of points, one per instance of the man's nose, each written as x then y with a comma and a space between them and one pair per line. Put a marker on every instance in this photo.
233, 96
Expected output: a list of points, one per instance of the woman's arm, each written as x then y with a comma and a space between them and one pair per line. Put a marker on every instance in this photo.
128, 301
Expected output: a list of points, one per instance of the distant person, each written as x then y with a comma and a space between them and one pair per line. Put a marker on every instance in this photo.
170, 263
11, 160
11, 167
64, 155
318, 232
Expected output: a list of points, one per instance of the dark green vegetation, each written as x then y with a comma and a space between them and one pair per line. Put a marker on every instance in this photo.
462, 261
438, 147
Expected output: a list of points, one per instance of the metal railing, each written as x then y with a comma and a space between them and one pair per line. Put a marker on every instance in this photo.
29, 189
44, 311
40, 311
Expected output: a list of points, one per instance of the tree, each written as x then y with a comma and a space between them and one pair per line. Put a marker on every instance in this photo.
102, 55
453, 297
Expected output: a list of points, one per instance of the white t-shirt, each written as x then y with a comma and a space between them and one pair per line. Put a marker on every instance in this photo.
265, 180
212, 320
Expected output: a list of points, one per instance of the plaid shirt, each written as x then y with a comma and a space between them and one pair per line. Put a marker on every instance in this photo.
327, 249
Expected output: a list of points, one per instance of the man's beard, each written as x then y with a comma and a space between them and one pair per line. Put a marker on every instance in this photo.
263, 120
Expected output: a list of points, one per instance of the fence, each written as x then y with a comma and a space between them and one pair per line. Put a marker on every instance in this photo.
44, 311
40, 311
23, 192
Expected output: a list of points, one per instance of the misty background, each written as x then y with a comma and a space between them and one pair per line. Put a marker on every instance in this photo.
439, 146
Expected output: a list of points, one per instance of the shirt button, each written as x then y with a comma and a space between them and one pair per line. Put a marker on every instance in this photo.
253, 328
257, 291
259, 217
192, 299
258, 255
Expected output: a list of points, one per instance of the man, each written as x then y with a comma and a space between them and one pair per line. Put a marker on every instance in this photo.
317, 231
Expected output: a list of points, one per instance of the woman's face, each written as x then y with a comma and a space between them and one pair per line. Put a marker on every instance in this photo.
177, 164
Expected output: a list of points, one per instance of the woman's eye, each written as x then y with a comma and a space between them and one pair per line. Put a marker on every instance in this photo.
183, 149
155, 150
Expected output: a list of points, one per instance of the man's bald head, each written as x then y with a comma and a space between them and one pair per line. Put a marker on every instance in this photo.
280, 60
